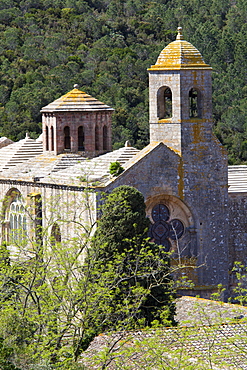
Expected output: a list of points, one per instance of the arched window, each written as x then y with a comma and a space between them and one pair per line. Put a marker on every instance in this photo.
164, 228
105, 138
194, 103
81, 139
38, 218
97, 138
164, 102
55, 234
46, 138
66, 137
52, 138
15, 218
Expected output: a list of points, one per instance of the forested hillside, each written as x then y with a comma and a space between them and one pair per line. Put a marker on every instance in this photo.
106, 46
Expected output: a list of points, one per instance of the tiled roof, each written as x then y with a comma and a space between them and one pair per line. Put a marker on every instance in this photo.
19, 152
41, 166
179, 54
237, 179
76, 100
217, 346
96, 169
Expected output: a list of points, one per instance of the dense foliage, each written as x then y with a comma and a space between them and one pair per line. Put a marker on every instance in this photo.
106, 46
141, 293
54, 301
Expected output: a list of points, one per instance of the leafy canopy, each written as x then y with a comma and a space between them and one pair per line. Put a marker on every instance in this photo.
140, 291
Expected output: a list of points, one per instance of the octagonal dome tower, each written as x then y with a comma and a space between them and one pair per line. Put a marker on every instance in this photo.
77, 122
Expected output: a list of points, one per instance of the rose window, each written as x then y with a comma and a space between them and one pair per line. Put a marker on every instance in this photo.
165, 229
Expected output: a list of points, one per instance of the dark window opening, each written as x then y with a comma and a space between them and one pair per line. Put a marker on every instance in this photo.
52, 139
67, 137
193, 103
55, 234
96, 138
46, 138
164, 105
81, 139
105, 146
38, 219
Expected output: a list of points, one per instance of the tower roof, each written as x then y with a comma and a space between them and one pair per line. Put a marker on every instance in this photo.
179, 54
76, 100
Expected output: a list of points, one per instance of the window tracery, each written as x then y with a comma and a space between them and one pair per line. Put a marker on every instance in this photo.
164, 229
17, 220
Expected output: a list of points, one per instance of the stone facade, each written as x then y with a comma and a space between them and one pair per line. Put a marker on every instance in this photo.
182, 173
238, 228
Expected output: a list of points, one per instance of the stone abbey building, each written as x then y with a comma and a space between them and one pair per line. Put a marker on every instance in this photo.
196, 203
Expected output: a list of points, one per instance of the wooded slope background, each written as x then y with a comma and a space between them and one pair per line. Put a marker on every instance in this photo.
106, 46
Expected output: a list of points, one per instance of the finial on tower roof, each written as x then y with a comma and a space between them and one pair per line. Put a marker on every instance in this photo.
76, 86
179, 35
27, 136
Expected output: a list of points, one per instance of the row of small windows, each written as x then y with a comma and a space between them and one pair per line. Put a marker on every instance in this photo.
164, 103
80, 138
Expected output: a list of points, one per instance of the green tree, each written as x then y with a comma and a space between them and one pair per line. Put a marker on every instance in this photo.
123, 218
53, 303
141, 293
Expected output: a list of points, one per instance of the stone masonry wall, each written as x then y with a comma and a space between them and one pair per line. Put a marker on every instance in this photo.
88, 120
238, 228
67, 206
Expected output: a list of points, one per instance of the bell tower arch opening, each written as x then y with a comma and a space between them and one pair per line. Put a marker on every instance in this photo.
194, 103
164, 102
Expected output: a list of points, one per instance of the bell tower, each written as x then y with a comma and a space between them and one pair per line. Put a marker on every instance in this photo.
179, 90
180, 96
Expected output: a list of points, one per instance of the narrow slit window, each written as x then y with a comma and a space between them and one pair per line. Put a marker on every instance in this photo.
81, 139
52, 139
105, 147
97, 138
46, 138
67, 137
